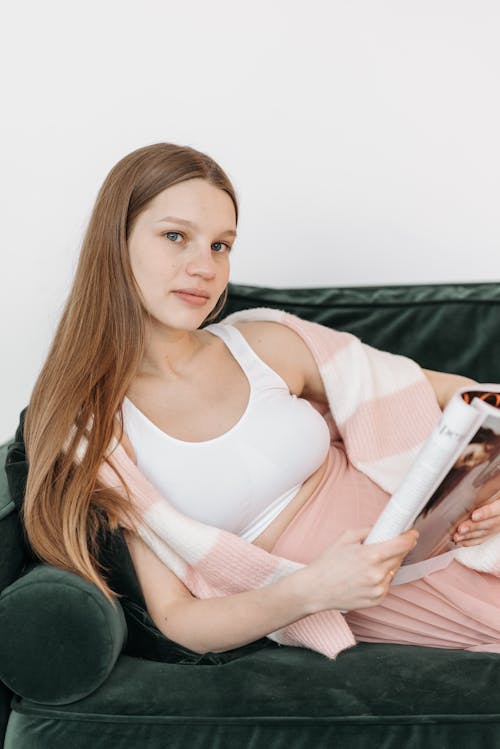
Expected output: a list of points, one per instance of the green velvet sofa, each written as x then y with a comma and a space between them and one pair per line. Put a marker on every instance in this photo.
78, 672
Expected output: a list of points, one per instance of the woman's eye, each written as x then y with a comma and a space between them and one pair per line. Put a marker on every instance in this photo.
175, 233
219, 247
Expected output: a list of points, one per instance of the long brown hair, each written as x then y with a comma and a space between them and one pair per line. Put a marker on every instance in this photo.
96, 352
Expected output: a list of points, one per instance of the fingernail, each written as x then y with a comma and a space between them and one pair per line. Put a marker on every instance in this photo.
477, 515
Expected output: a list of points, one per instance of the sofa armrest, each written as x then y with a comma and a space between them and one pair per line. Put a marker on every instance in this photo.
59, 636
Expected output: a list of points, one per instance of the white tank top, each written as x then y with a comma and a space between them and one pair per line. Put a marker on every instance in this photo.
243, 479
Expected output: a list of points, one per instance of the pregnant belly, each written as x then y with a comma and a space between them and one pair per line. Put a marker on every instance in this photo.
267, 539
341, 498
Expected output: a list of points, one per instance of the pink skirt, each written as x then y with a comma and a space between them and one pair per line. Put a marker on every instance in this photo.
452, 608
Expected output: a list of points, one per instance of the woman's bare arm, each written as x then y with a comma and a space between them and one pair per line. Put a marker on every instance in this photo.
211, 624
346, 576
445, 385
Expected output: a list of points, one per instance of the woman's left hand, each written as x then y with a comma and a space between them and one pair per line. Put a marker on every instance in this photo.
483, 522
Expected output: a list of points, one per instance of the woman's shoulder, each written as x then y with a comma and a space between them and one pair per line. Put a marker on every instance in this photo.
270, 337
271, 341
269, 331
281, 348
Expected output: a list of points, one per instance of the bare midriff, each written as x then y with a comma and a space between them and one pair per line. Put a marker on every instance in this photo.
270, 535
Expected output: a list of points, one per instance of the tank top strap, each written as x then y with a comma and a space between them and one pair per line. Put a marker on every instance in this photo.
254, 367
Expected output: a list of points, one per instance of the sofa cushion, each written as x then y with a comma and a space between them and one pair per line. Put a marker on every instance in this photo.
388, 696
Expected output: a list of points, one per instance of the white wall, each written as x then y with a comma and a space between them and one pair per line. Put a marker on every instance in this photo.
361, 135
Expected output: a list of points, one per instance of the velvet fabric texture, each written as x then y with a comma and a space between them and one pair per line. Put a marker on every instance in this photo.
159, 694
12, 550
12, 558
371, 696
449, 327
73, 620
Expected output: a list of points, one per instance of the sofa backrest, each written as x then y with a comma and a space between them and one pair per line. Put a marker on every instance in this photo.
12, 558
6, 505
12, 548
448, 327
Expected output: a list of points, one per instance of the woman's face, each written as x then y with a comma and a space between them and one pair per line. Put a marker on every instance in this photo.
180, 243
475, 453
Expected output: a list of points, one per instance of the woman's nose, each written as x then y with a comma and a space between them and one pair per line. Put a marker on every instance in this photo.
202, 263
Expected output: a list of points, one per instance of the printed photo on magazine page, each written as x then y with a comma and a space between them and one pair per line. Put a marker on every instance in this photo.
473, 480
456, 471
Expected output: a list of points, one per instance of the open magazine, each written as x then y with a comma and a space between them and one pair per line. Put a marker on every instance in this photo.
456, 471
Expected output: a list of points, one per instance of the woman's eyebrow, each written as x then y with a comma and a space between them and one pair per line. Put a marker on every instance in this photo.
190, 223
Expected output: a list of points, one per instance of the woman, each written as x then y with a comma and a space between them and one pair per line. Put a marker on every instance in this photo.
130, 359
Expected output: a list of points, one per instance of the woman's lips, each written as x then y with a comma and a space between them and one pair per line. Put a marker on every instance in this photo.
198, 301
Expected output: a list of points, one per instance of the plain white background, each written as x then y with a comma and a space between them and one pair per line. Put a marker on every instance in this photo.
361, 136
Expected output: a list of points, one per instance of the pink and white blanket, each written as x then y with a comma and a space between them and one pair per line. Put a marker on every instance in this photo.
383, 407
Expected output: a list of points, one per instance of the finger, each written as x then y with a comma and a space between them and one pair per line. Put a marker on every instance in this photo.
388, 579
490, 510
355, 535
395, 547
385, 571
469, 536
390, 575
484, 525
382, 586
472, 542
393, 563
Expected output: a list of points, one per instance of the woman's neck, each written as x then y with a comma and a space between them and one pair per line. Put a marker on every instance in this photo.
170, 354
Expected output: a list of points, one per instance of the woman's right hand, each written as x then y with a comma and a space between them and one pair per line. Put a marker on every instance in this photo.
348, 575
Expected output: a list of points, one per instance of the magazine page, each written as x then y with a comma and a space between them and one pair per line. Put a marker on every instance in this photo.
457, 424
451, 446
472, 481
